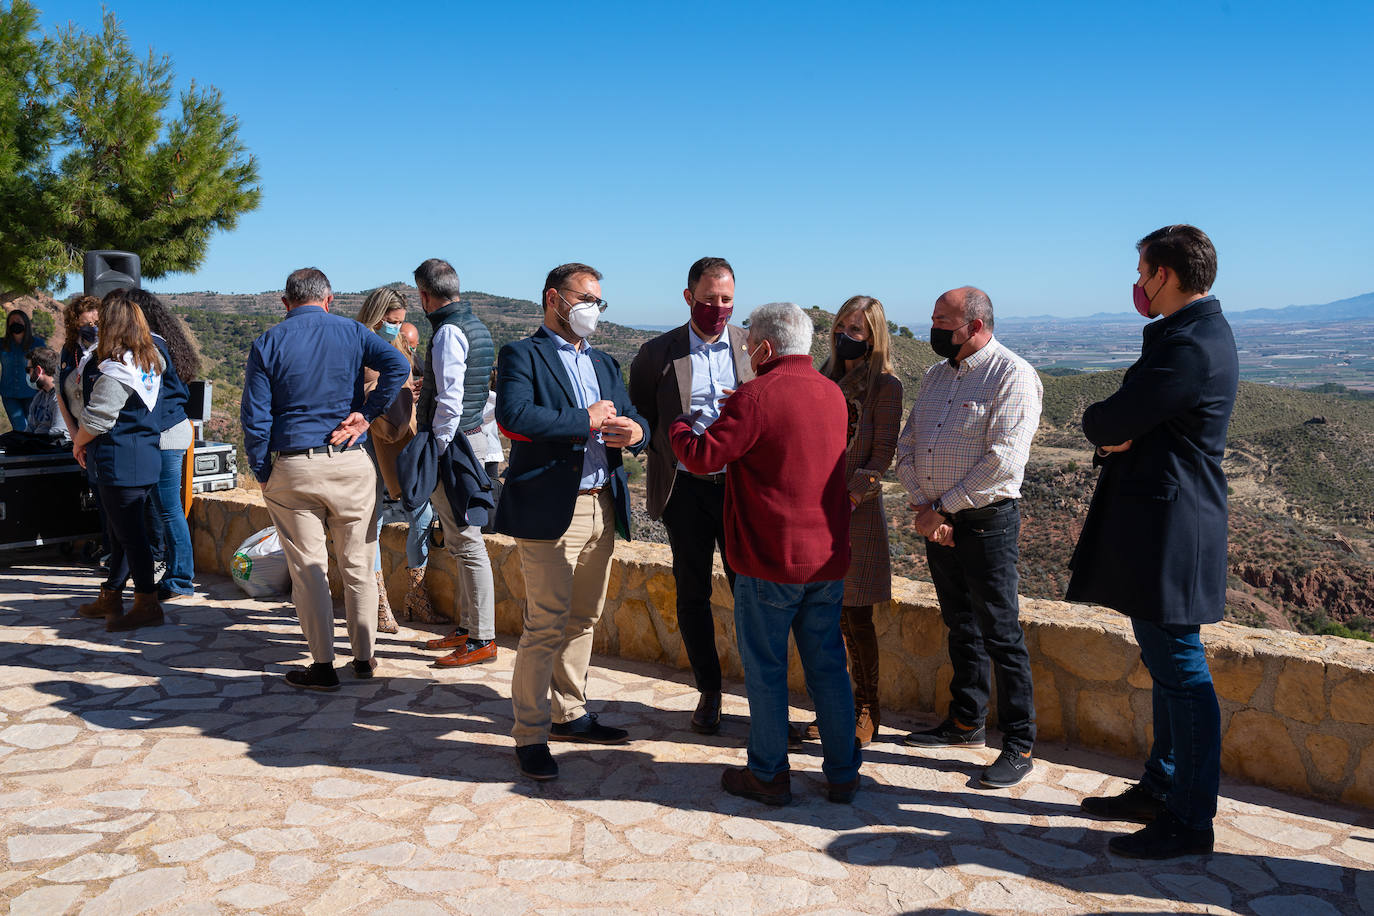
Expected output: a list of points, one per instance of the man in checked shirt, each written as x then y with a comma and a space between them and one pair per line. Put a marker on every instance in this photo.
961, 458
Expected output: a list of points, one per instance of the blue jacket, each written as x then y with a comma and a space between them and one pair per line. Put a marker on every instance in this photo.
14, 367
421, 467
171, 400
129, 454
1154, 543
537, 410
305, 375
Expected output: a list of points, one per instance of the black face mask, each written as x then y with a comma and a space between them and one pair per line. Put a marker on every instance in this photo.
942, 342
87, 334
16, 330
848, 348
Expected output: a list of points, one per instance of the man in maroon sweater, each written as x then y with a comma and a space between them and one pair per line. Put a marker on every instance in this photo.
781, 438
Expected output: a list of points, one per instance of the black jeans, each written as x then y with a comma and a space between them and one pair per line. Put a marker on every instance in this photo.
976, 582
126, 530
694, 518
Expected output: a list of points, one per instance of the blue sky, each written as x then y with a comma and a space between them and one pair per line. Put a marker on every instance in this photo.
895, 149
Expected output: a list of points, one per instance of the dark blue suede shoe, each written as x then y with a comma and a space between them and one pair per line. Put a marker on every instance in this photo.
536, 762
587, 730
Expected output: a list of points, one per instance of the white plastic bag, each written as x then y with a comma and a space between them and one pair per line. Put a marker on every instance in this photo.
259, 565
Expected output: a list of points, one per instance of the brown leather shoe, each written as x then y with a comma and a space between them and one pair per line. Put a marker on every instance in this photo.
470, 654
455, 640
706, 719
110, 602
146, 612
864, 727
741, 781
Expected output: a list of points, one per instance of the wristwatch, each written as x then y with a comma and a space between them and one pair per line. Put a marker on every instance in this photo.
937, 507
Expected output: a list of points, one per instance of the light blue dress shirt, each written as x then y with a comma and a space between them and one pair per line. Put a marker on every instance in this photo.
713, 371
587, 390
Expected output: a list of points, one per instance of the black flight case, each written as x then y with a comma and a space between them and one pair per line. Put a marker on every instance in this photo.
44, 499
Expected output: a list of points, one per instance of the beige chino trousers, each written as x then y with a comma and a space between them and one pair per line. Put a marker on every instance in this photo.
565, 590
309, 496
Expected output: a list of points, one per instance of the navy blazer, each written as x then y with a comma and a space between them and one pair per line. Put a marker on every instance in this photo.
537, 410
1154, 543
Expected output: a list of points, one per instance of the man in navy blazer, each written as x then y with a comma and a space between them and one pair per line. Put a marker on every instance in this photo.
1154, 543
564, 406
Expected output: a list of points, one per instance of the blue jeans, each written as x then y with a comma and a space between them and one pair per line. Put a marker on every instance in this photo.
976, 582
17, 409
1185, 762
417, 530
765, 612
176, 534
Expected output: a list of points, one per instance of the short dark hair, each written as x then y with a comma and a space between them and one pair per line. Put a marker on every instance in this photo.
309, 284
562, 274
708, 267
1184, 249
437, 278
44, 358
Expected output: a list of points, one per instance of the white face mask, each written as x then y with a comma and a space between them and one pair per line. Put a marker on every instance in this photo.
582, 317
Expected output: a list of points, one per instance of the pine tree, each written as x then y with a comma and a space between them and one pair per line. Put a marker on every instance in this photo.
90, 157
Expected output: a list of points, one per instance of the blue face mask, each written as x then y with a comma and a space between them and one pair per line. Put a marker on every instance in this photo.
389, 331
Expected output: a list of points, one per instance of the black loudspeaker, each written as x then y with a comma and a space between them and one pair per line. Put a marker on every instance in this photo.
107, 270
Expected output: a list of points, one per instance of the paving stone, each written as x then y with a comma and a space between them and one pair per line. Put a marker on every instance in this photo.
1048, 855
434, 881
53, 900
353, 888
342, 788
136, 893
93, 866
118, 825
1277, 831
1195, 889
187, 850
600, 845
410, 908
37, 736
228, 864
1293, 905
266, 839
743, 828
446, 813
30, 847
810, 863
59, 817
252, 896
24, 798
306, 814
988, 862
1360, 848
1017, 896
1308, 871
651, 842
740, 892
358, 830
722, 852
390, 855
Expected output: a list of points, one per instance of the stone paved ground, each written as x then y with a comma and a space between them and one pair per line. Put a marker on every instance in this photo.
172, 770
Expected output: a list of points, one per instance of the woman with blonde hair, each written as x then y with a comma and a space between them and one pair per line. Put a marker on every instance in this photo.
860, 363
384, 311
117, 441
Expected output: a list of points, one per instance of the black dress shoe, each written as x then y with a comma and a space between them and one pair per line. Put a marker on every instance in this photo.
364, 669
949, 734
586, 729
1166, 837
319, 676
706, 720
842, 793
1135, 804
536, 762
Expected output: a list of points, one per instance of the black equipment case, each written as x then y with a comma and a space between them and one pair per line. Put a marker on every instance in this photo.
44, 499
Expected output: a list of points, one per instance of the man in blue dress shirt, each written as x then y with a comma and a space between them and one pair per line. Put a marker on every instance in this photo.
304, 421
565, 409
691, 369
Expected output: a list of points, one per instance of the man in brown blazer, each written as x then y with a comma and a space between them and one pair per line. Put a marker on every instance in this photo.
691, 370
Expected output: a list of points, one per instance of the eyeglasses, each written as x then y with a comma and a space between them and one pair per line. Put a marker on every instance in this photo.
585, 299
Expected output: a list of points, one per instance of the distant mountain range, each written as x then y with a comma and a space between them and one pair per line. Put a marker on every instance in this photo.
1356, 307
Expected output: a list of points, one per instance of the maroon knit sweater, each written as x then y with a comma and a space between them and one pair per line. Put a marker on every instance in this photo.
782, 439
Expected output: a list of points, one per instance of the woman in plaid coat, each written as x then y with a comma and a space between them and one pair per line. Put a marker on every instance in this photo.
860, 363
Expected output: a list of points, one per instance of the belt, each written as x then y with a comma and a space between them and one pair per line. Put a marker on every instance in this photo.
709, 478
592, 492
320, 450
982, 513
474, 431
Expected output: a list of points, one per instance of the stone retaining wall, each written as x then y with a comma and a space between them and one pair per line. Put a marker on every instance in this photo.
1297, 712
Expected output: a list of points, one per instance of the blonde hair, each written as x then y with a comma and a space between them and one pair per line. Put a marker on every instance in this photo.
378, 303
879, 358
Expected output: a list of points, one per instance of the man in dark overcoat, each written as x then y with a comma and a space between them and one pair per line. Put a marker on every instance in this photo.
1154, 543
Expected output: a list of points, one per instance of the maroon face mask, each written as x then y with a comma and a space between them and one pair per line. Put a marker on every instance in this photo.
711, 319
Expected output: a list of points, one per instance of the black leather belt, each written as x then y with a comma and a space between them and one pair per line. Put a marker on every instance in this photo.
592, 492
321, 450
718, 479
982, 513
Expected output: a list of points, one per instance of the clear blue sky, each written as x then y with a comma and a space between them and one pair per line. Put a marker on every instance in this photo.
892, 149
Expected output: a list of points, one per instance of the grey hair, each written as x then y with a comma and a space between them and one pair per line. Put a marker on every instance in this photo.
977, 305
785, 326
309, 284
438, 278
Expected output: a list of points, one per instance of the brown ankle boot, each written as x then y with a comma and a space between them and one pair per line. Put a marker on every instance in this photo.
110, 602
386, 623
146, 612
418, 605
864, 726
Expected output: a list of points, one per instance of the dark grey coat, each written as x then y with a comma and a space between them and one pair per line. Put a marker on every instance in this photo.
1154, 543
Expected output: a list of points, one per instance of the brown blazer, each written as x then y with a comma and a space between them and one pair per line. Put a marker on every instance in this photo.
876, 421
661, 390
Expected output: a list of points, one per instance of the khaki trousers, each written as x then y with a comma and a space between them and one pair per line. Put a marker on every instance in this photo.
565, 590
308, 496
476, 592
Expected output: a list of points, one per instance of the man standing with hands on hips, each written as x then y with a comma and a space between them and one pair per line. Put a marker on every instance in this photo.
565, 409
691, 370
1154, 543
